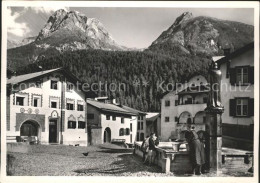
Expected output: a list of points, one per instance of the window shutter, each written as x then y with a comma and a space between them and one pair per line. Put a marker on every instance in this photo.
232, 107
251, 75
250, 107
232, 72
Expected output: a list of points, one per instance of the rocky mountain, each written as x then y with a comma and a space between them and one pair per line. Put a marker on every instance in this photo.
14, 44
64, 31
73, 31
202, 35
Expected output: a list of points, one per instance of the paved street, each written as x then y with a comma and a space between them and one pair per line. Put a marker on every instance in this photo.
103, 160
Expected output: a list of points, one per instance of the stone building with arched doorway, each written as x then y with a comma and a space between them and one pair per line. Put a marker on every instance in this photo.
186, 103
110, 122
46, 106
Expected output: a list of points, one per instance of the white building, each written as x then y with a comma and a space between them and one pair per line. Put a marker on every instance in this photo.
186, 103
141, 123
238, 97
108, 122
153, 124
46, 105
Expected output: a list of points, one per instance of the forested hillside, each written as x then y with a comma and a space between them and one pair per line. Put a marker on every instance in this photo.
143, 73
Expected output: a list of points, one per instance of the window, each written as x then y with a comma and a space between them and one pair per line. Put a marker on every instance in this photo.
36, 101
90, 116
167, 103
71, 124
53, 104
80, 107
121, 132
20, 101
137, 136
127, 131
138, 126
122, 120
167, 119
188, 101
142, 125
131, 127
142, 117
81, 125
176, 119
54, 85
241, 107
114, 118
38, 83
70, 87
70, 104
242, 75
108, 117
139, 117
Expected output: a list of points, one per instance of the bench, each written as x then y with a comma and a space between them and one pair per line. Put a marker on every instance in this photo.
245, 156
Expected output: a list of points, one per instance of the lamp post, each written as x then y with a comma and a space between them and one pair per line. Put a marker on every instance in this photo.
214, 112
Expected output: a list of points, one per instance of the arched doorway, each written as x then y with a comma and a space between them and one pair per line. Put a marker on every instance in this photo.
30, 129
107, 135
200, 117
184, 117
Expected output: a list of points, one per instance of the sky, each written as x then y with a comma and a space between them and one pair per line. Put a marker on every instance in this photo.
130, 27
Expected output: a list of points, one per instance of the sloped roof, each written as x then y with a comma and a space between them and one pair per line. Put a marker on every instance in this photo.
135, 111
216, 58
109, 107
152, 116
25, 77
236, 53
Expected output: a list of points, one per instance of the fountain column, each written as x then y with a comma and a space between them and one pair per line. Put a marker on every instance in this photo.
214, 112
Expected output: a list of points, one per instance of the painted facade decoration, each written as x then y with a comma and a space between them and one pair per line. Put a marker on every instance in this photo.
41, 105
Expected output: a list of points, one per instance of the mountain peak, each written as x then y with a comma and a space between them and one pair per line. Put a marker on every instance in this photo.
183, 17
202, 35
65, 30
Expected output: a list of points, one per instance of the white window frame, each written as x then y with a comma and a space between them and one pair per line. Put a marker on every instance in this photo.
79, 102
242, 75
241, 102
70, 101
55, 99
25, 100
39, 97
52, 85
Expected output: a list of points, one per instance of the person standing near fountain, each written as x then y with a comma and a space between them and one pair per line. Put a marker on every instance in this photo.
197, 152
145, 147
151, 152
